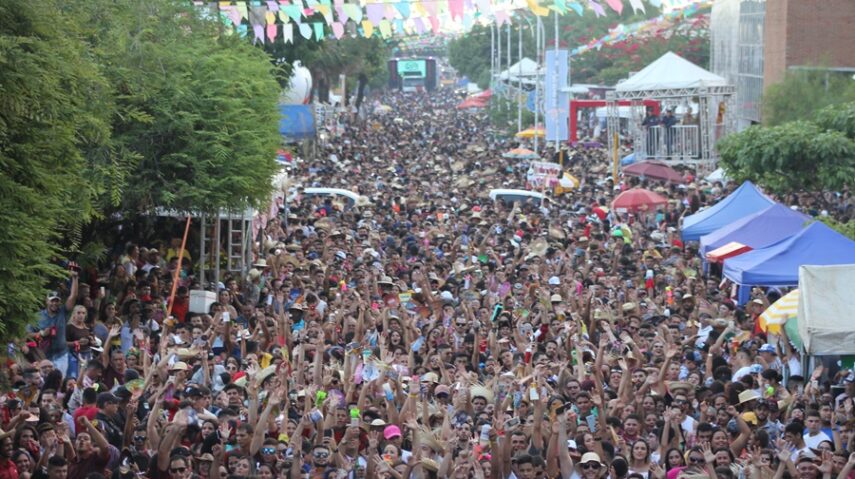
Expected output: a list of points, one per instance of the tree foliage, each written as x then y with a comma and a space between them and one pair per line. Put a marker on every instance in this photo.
800, 155
50, 112
802, 93
119, 106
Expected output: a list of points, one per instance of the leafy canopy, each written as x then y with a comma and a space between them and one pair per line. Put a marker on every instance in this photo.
795, 156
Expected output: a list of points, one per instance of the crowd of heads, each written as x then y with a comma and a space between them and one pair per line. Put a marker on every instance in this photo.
425, 330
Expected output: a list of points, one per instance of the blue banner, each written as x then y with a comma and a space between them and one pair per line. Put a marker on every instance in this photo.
556, 105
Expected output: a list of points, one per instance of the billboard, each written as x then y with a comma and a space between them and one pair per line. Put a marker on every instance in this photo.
412, 68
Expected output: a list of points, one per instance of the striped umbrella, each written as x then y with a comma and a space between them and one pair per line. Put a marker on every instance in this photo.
778, 313
521, 153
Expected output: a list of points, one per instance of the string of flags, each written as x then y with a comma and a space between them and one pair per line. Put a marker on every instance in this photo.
280, 20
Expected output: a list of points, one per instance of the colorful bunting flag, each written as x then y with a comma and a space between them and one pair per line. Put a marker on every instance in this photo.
272, 30
616, 5
367, 29
338, 30
598, 9
319, 30
287, 33
305, 30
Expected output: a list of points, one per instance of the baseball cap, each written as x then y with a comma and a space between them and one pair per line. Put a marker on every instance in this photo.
441, 389
391, 431
768, 348
53, 295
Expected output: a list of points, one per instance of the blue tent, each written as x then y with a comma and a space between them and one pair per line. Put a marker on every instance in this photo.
759, 230
298, 122
746, 200
778, 264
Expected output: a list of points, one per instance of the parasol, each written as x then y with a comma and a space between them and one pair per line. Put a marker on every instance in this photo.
654, 170
532, 132
638, 199
521, 154
780, 312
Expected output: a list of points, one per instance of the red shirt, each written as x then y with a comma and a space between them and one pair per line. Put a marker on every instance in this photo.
8, 470
88, 411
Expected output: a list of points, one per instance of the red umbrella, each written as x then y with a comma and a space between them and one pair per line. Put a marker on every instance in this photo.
638, 199
655, 170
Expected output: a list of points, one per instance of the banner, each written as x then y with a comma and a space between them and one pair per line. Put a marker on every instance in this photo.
557, 103
542, 173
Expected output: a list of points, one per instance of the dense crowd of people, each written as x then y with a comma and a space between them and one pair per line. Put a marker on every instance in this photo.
426, 332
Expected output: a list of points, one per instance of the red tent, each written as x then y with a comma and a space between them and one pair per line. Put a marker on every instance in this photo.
638, 199
655, 170
476, 101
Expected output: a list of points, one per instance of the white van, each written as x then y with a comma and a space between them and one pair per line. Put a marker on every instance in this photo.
512, 196
351, 198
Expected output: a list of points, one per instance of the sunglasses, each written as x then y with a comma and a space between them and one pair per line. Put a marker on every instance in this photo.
696, 460
678, 402
177, 470
321, 455
590, 465
268, 450
139, 438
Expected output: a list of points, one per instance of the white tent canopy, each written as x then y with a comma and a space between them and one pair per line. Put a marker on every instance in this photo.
525, 69
826, 306
670, 72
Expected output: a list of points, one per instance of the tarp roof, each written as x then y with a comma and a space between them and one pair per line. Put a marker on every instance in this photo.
778, 264
745, 200
523, 68
670, 71
297, 121
759, 230
826, 303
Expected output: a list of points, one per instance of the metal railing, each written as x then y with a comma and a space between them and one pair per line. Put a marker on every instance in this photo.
678, 142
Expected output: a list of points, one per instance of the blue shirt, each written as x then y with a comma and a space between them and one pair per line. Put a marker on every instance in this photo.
57, 347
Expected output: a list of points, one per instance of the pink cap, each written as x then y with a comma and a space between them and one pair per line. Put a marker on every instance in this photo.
391, 431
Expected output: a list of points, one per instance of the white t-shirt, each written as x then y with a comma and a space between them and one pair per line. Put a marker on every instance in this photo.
813, 441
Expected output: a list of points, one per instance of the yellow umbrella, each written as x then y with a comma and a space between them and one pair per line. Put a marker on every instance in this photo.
531, 132
779, 312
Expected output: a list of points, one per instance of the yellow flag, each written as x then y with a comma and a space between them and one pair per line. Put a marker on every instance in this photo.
537, 9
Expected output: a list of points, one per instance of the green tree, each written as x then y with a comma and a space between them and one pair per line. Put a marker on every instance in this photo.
196, 123
793, 156
52, 108
804, 92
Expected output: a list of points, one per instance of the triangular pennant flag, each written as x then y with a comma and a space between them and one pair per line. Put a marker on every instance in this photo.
272, 5
288, 33
434, 24
430, 7
455, 8
258, 33
294, 12
598, 9
616, 5
270, 17
283, 17
243, 30
399, 26
385, 28
326, 11
375, 13
403, 8
234, 15
319, 30
340, 12
419, 25
577, 8
242, 10
467, 22
367, 29
337, 30
637, 5
353, 11
537, 9
305, 30
272, 30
